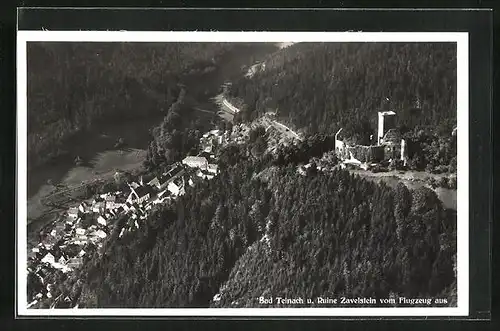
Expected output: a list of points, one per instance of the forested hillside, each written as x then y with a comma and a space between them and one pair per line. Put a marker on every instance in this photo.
246, 235
176, 135
73, 86
259, 228
321, 87
357, 240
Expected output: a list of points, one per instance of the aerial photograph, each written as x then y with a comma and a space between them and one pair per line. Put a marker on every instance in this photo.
241, 174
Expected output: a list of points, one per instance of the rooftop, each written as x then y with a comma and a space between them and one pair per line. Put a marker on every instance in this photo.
143, 190
194, 159
110, 198
172, 172
134, 185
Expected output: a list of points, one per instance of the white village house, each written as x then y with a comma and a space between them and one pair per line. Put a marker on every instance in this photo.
49, 258
212, 168
204, 175
102, 220
174, 189
80, 231
99, 207
111, 202
196, 162
99, 233
135, 185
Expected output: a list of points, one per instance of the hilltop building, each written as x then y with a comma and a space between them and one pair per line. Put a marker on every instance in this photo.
386, 122
390, 145
395, 147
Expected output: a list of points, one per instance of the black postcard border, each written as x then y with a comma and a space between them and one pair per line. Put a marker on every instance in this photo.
478, 23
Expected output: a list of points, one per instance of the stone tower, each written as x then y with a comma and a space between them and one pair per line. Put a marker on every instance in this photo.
386, 121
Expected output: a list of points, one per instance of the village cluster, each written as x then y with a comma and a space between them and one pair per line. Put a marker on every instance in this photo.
84, 228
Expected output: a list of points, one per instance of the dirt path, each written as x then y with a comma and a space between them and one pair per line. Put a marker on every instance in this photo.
203, 110
227, 106
286, 130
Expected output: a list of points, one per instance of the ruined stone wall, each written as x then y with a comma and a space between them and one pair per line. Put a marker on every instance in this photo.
361, 153
368, 154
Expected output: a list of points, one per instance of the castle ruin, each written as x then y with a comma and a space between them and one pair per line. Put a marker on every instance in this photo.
390, 145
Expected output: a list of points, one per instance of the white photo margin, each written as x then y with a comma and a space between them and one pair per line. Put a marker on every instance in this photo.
460, 38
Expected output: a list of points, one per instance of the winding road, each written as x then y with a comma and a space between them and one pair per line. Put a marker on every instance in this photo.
278, 126
286, 130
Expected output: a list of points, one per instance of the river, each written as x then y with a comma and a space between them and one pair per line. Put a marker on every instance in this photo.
96, 146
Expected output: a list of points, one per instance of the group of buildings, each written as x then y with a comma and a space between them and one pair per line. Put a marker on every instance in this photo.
74, 237
389, 146
212, 140
81, 230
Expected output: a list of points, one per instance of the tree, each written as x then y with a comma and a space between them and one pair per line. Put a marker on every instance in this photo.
259, 147
403, 201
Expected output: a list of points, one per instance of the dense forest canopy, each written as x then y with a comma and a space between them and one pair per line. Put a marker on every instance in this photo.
71, 86
261, 229
178, 134
322, 87
359, 240
325, 86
